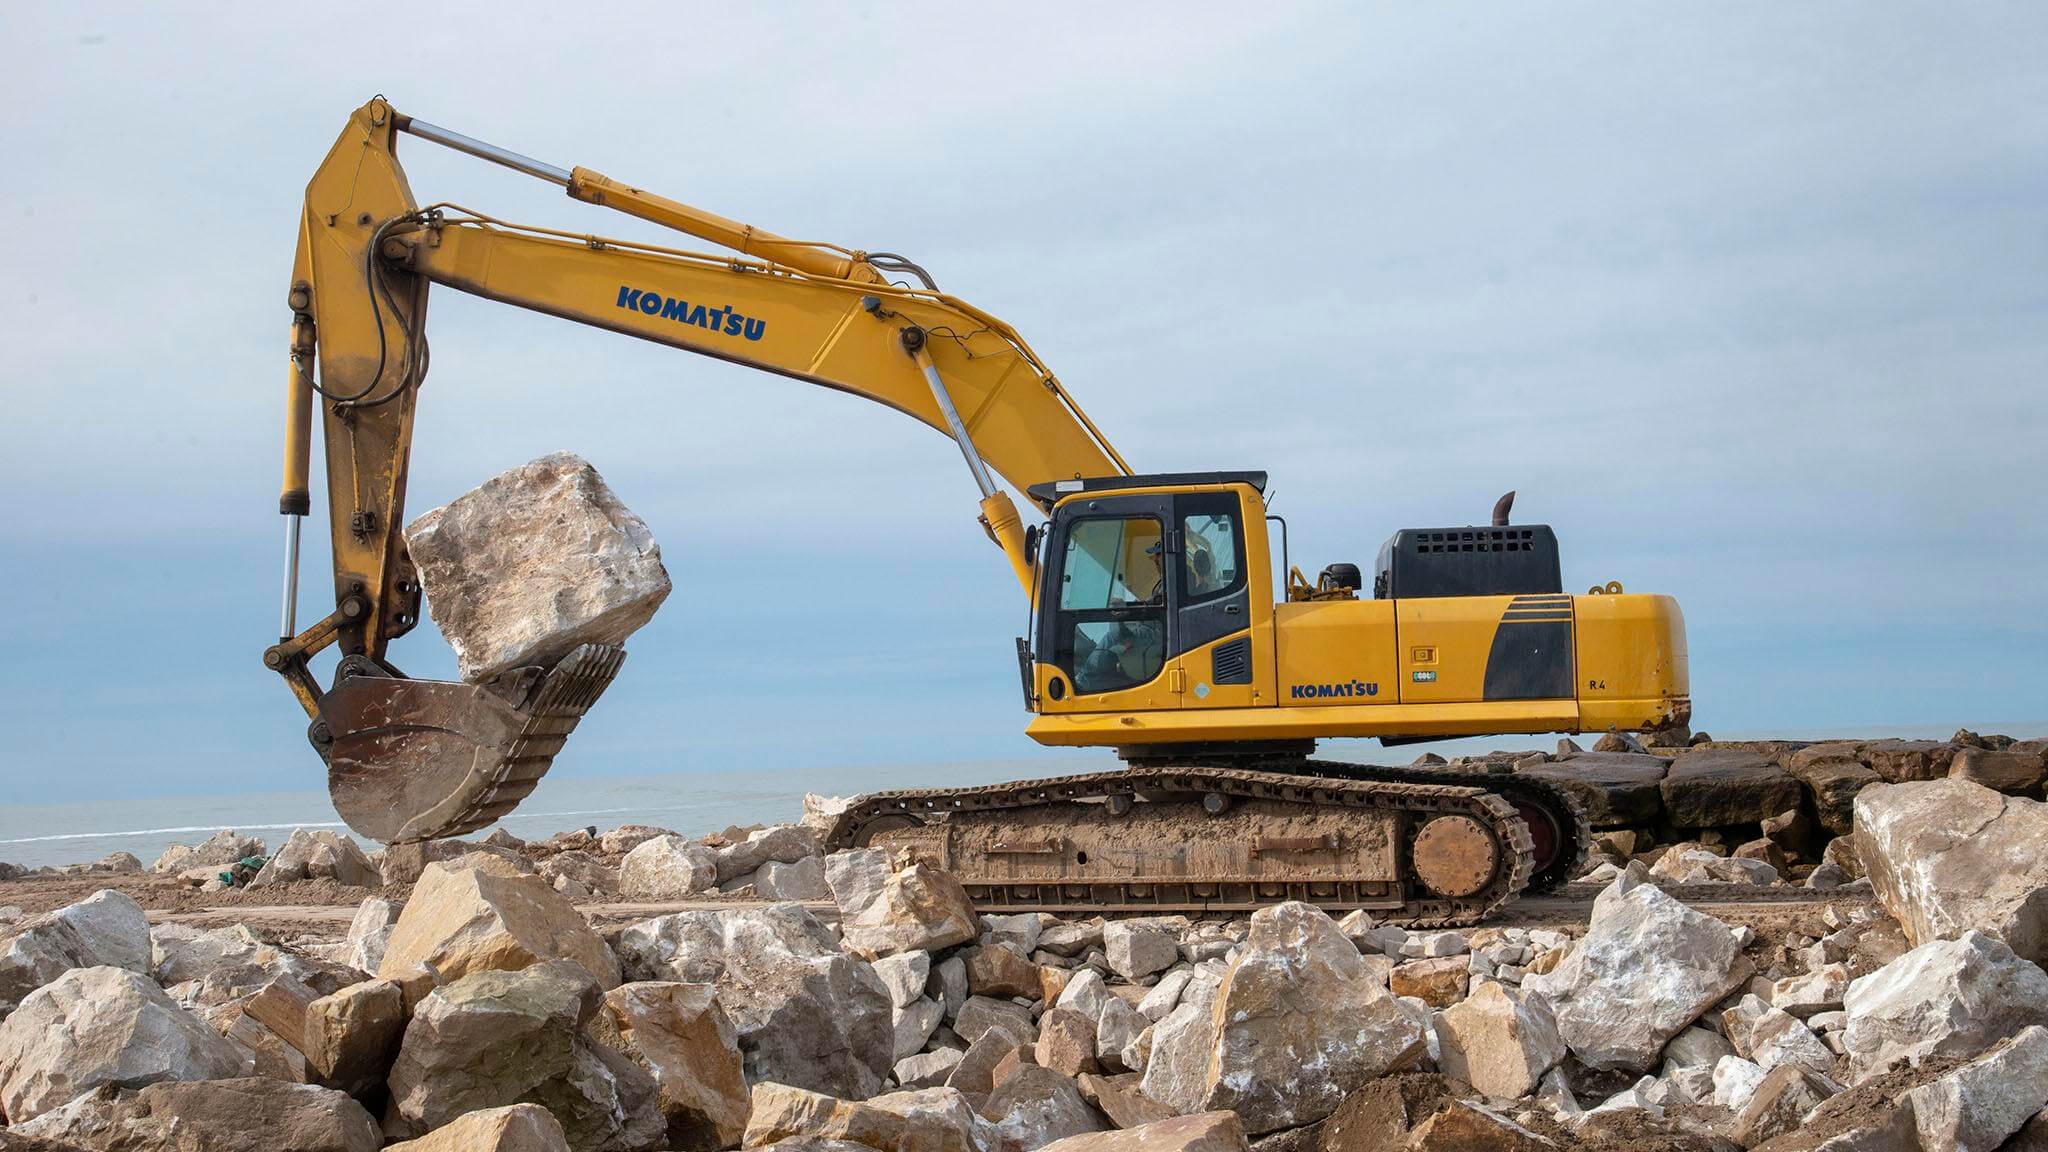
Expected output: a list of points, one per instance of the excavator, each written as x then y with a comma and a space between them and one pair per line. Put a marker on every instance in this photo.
1161, 625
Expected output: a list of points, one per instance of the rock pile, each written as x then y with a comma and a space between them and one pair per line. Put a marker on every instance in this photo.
485, 1011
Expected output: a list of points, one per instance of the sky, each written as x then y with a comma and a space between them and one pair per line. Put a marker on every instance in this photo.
1746, 300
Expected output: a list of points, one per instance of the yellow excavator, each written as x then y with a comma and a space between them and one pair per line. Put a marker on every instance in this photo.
1161, 625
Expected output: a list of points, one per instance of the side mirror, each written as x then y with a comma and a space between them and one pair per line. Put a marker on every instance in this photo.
1031, 537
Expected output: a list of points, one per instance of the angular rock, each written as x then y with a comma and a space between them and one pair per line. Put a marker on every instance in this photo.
975, 1074
1463, 1126
1946, 856
369, 933
318, 854
2007, 771
780, 844
1164, 995
1615, 789
928, 1069
918, 908
807, 1014
578, 871
105, 929
1903, 761
681, 1037
1778, 1040
1138, 948
1945, 998
514, 1128
1735, 1081
856, 876
351, 1037
1833, 781
801, 880
533, 562
216, 851
1177, 1064
1815, 992
1066, 1042
1019, 931
495, 1038
929, 1120
913, 1024
1035, 1107
473, 915
1499, 1041
244, 1115
1116, 1026
906, 975
104, 1025
1975, 1107
1647, 967
1202, 1132
667, 867
627, 837
1711, 787
980, 1014
1001, 971
1301, 1022
1071, 939
1777, 1103
1438, 983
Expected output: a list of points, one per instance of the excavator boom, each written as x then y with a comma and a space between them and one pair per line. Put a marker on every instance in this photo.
411, 759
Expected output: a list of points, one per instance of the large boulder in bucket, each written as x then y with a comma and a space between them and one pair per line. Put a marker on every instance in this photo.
535, 578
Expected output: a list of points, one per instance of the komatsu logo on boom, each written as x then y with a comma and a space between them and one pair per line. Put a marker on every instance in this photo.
721, 319
1344, 688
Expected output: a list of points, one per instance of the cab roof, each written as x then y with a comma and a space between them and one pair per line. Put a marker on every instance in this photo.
1050, 492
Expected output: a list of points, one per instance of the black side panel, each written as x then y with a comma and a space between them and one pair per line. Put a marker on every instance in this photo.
1530, 660
1210, 621
1231, 663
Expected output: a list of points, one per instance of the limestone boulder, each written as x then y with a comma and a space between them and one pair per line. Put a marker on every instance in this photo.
1439, 983
1301, 1022
533, 562
929, 1069
105, 929
2007, 770
667, 867
513, 1128
806, 1013
923, 1120
1138, 948
627, 837
1202, 1132
216, 851
1000, 970
801, 880
1904, 761
681, 1037
104, 1025
778, 844
1777, 1104
1833, 774
1614, 789
579, 875
917, 908
474, 915
1710, 787
251, 1114
1034, 1107
318, 854
1177, 1063
1647, 967
982, 1014
1066, 1042
369, 933
1499, 1040
350, 1037
906, 975
1975, 1107
1946, 856
495, 1038
1944, 998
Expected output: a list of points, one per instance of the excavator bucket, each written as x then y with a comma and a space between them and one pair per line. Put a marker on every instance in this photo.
422, 759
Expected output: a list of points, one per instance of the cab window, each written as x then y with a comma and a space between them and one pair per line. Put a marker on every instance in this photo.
1111, 627
1212, 547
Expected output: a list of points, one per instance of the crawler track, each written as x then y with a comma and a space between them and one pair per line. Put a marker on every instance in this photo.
1036, 865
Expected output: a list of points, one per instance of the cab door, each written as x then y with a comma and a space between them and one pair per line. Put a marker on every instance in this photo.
1106, 637
1214, 662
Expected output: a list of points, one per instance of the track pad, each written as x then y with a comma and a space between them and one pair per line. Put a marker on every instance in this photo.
423, 759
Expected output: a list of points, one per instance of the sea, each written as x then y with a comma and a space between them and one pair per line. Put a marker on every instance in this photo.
692, 803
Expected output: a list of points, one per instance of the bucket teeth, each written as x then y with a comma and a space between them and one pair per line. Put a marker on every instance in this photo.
423, 759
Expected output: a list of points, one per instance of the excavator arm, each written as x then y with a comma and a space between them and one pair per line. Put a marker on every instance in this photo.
411, 759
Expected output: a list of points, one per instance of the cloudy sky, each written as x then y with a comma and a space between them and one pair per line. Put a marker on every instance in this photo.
1748, 302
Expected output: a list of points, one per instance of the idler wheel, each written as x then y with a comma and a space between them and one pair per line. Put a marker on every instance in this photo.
1455, 856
